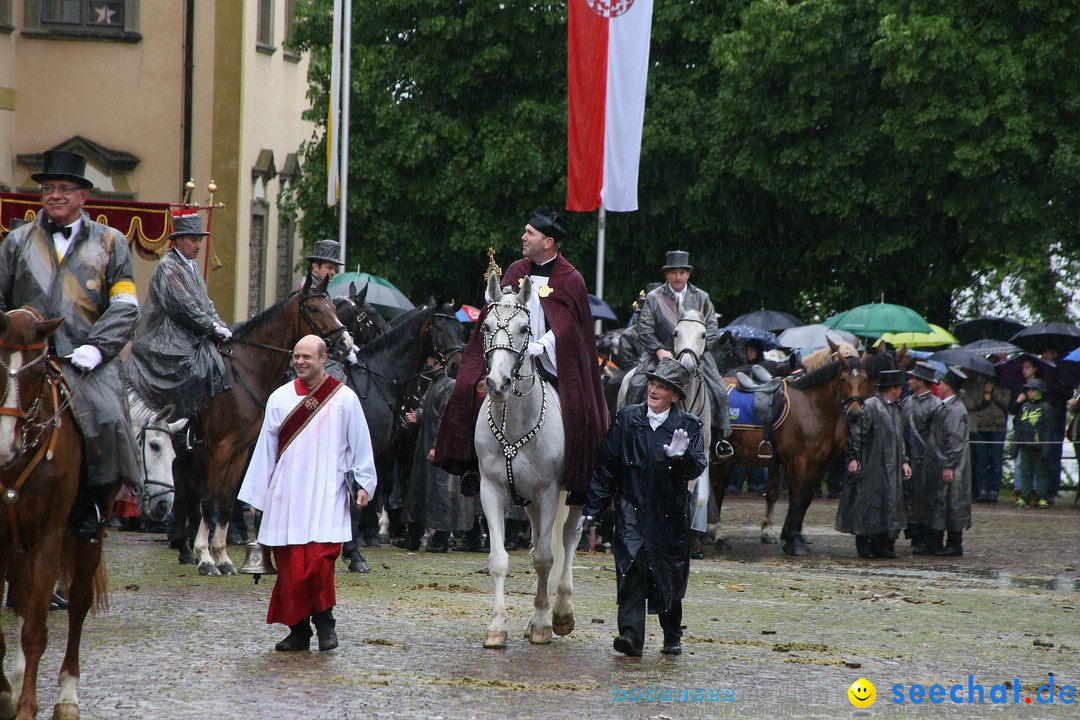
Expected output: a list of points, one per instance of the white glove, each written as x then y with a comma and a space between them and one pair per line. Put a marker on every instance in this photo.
86, 357
679, 442
352, 359
536, 349
223, 332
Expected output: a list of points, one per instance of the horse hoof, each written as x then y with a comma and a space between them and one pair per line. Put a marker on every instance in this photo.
495, 639
208, 570
227, 568
360, 567
562, 624
7, 706
187, 558
65, 711
538, 635
768, 539
796, 548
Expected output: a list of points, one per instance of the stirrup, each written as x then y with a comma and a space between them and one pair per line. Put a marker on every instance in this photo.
765, 450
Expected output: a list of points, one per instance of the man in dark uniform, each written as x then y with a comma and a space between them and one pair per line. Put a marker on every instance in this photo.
948, 483
648, 456
564, 345
66, 265
917, 412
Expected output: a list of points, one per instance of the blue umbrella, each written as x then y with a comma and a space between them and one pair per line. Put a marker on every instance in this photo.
601, 310
1074, 356
747, 332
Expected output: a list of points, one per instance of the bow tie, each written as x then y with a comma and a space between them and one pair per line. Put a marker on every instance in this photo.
52, 228
650, 415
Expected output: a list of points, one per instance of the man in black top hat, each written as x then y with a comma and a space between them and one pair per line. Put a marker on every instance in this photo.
174, 359
325, 259
917, 411
948, 484
649, 455
871, 504
66, 265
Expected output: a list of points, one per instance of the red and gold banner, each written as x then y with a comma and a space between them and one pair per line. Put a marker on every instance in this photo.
146, 225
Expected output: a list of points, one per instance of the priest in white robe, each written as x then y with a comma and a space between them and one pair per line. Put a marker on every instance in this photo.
312, 458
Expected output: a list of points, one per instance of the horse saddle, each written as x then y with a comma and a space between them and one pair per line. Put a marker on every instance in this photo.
758, 399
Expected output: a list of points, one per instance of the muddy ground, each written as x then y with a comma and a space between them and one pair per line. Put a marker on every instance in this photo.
767, 635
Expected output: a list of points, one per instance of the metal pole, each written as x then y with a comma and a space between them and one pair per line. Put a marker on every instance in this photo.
346, 91
601, 225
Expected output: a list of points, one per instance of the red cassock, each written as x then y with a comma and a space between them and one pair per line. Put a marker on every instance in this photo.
584, 411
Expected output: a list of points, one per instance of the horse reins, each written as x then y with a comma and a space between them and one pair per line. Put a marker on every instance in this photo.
510, 449
146, 498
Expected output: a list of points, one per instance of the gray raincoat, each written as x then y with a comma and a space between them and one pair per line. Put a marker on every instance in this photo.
651, 498
948, 506
655, 329
173, 360
918, 415
93, 289
871, 502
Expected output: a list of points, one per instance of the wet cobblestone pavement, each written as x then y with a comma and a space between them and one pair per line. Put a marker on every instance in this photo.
767, 635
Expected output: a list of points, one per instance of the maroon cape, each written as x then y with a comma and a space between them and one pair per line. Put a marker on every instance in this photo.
581, 393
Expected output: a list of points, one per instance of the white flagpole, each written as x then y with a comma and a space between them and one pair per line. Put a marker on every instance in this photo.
601, 225
346, 83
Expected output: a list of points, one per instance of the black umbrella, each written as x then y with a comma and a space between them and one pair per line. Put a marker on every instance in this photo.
986, 328
992, 347
772, 320
966, 359
1060, 336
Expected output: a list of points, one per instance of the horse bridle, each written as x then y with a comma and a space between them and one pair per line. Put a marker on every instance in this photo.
503, 325
689, 351
146, 498
441, 355
363, 317
510, 449
847, 402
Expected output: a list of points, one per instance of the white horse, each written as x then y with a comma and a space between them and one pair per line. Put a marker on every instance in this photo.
520, 445
153, 434
690, 337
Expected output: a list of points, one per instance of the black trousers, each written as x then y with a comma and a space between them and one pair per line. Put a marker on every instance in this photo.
632, 607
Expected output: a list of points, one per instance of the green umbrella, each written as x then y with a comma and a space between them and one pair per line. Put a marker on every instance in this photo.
382, 293
875, 319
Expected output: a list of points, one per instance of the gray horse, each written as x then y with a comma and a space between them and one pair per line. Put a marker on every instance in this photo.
520, 445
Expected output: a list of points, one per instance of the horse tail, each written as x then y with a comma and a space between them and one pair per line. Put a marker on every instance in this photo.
99, 585
74, 561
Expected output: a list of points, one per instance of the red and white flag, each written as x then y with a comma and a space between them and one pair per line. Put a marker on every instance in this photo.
607, 69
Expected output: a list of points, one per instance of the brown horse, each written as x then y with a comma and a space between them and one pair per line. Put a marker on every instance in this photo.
813, 434
261, 349
40, 461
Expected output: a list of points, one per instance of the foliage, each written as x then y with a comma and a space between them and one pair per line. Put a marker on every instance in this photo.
810, 154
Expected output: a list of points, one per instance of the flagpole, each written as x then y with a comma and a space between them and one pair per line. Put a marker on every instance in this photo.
601, 226
346, 83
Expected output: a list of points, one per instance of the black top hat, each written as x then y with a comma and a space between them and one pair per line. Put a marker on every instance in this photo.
676, 260
923, 371
671, 372
15, 223
326, 251
63, 165
890, 379
550, 223
187, 225
955, 378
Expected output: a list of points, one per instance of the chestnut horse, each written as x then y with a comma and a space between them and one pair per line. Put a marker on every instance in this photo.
813, 434
261, 350
40, 461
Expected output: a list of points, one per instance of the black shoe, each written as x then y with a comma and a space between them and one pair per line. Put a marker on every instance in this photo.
437, 548
576, 499
922, 549
408, 544
324, 628
672, 648
299, 638
624, 645
58, 602
886, 553
90, 523
470, 484
949, 551
697, 554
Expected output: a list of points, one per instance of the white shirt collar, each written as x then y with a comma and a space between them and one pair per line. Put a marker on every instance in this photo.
657, 419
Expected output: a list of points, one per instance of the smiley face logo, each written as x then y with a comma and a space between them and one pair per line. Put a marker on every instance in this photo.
862, 693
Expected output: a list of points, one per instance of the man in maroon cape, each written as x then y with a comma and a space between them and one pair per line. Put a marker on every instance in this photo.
564, 346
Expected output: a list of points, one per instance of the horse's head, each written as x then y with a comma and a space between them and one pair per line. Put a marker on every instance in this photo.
447, 337
23, 364
506, 339
361, 319
156, 449
855, 384
727, 352
318, 311
690, 336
